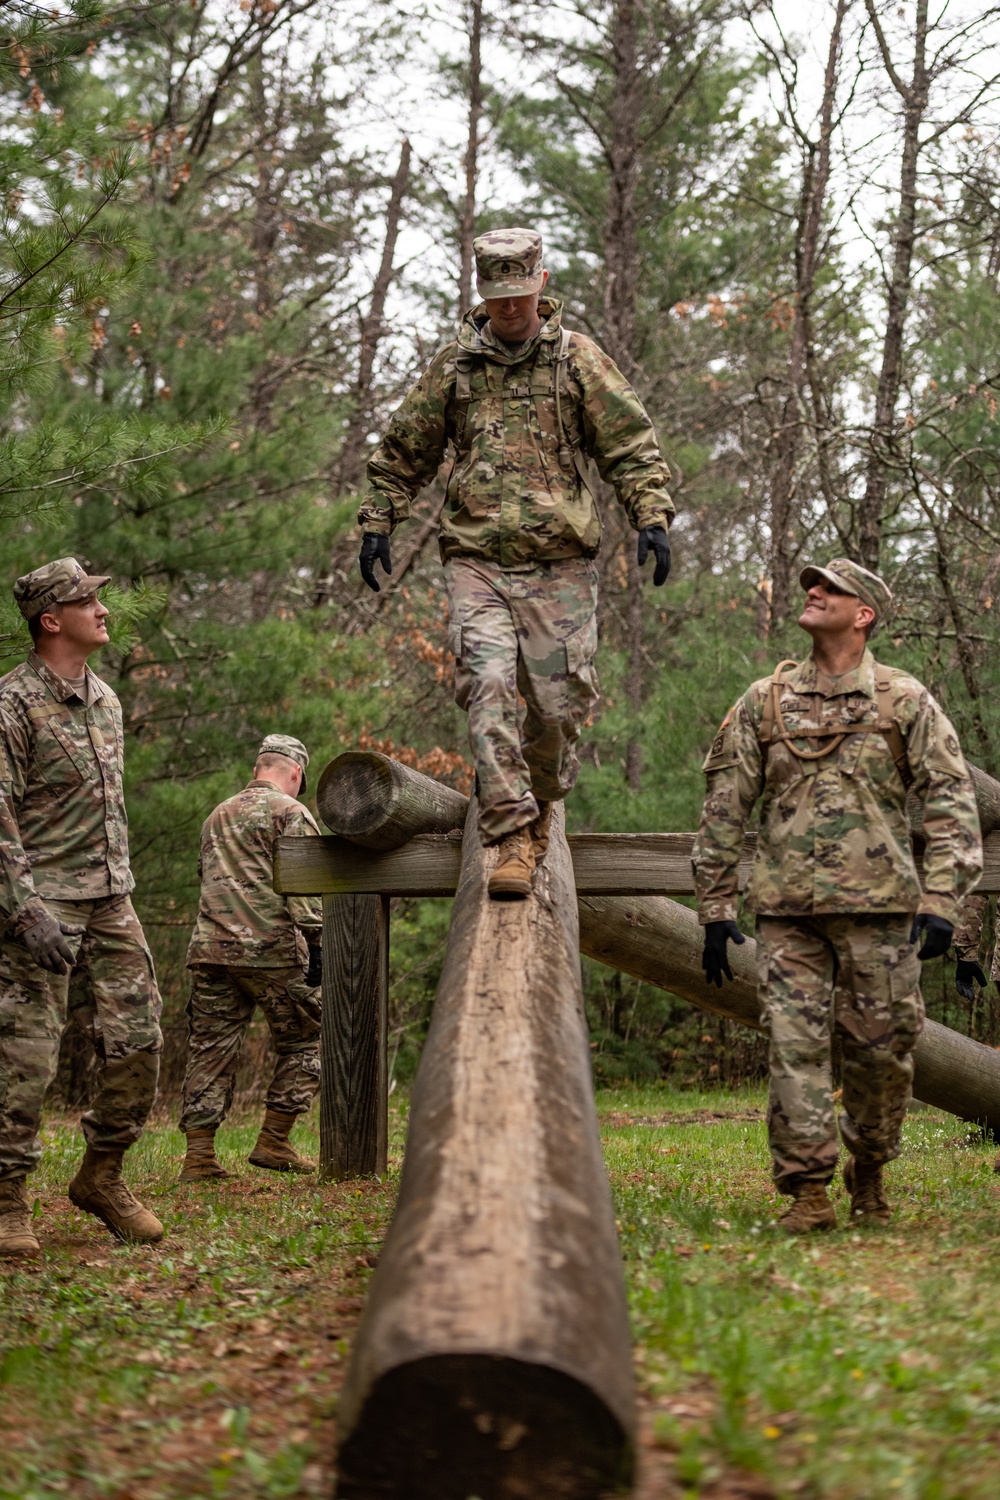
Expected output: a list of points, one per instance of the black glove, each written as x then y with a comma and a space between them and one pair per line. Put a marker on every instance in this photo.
314, 973
47, 945
714, 959
373, 547
965, 972
655, 537
936, 933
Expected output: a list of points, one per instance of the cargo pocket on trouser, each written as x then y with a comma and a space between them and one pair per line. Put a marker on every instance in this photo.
463, 677
907, 1001
581, 675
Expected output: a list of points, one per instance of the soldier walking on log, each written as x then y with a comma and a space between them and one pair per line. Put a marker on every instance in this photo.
64, 899
831, 745
526, 405
253, 947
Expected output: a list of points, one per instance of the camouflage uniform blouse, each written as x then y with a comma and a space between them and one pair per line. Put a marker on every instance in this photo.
509, 499
834, 834
63, 829
242, 921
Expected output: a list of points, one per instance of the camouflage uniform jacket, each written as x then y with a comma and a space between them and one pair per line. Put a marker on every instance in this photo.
834, 834
511, 499
63, 829
242, 921
967, 938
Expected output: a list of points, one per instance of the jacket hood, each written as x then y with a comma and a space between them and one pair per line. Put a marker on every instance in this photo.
470, 333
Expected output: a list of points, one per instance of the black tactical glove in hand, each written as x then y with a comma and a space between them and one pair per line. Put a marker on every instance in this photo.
314, 973
965, 973
656, 538
936, 933
714, 959
47, 945
373, 547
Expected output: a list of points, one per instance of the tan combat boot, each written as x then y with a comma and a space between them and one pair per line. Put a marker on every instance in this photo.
811, 1210
540, 831
273, 1150
863, 1180
99, 1190
511, 880
201, 1163
16, 1238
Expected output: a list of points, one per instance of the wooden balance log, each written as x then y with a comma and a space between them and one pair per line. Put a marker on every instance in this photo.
493, 1357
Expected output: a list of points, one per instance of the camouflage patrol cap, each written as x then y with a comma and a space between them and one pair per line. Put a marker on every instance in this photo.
508, 263
284, 744
58, 582
852, 578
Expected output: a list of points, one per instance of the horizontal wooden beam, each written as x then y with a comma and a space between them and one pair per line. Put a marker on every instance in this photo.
604, 864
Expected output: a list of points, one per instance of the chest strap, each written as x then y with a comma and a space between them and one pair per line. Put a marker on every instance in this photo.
772, 724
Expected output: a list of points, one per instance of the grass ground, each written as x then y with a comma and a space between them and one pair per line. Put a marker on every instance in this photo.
854, 1366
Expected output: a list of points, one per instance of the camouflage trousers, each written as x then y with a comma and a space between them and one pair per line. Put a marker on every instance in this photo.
858, 975
528, 636
111, 995
219, 1014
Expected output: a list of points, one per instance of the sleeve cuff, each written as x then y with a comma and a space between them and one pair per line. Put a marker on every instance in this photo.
30, 914
936, 904
716, 911
652, 515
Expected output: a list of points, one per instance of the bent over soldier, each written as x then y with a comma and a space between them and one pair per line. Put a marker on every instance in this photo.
64, 899
527, 406
252, 947
831, 746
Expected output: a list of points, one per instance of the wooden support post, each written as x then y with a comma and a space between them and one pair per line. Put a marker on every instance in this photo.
354, 1099
493, 1356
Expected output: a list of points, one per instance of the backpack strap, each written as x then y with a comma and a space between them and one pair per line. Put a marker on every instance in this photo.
772, 725
887, 725
571, 455
463, 393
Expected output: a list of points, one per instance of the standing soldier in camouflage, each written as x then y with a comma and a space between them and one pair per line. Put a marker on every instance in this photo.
253, 947
831, 745
64, 900
527, 407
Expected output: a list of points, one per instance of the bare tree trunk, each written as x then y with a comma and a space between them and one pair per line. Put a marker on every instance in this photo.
815, 177
914, 96
373, 328
467, 227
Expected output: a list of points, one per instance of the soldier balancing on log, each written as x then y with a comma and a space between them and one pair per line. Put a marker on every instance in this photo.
64, 901
831, 746
253, 947
526, 405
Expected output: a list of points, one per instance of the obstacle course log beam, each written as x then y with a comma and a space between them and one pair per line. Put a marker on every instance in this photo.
493, 1356
655, 939
380, 804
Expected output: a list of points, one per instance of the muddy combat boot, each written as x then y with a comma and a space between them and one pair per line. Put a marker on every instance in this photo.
863, 1180
16, 1238
540, 831
511, 880
201, 1163
273, 1150
99, 1190
811, 1210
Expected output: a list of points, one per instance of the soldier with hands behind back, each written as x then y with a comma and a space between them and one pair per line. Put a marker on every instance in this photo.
64, 900
252, 947
831, 746
527, 407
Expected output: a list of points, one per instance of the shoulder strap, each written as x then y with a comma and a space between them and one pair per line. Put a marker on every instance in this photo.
887, 725
463, 393
571, 455
771, 716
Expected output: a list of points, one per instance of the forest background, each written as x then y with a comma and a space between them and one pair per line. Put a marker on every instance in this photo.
232, 232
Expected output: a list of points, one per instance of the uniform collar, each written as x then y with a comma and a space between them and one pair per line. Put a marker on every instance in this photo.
59, 687
258, 784
477, 336
807, 678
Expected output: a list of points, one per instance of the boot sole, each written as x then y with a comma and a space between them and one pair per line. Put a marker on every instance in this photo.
29, 1250
821, 1228
117, 1230
509, 890
284, 1166
205, 1177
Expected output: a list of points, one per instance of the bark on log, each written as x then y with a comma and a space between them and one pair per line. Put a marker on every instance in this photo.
656, 939
493, 1356
354, 1085
380, 804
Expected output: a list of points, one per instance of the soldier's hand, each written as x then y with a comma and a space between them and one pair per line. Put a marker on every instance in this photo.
936, 933
966, 971
655, 538
714, 958
314, 973
374, 548
46, 943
